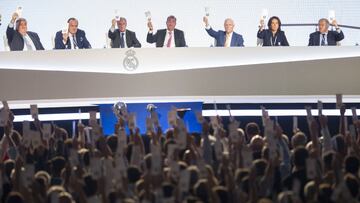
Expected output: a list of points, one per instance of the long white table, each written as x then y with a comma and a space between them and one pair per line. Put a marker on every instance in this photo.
200, 74
157, 60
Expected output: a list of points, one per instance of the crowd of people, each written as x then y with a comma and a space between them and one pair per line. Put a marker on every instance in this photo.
20, 39
222, 164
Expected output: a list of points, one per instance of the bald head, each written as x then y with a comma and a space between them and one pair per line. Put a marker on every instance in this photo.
229, 25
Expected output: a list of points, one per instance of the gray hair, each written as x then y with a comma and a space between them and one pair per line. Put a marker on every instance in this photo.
229, 19
122, 19
18, 23
326, 20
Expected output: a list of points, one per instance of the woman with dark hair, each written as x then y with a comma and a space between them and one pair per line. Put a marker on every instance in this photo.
273, 36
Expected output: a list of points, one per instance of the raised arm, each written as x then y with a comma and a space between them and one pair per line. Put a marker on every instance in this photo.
10, 29
261, 32
111, 33
151, 37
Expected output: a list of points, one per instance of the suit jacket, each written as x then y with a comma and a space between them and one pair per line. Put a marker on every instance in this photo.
16, 41
160, 35
220, 37
269, 40
332, 38
80, 37
131, 40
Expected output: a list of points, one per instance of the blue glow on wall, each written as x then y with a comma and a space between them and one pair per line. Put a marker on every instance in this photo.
108, 119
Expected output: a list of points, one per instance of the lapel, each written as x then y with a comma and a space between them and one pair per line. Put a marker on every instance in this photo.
21, 41
78, 39
128, 41
68, 44
233, 39
161, 38
317, 38
224, 39
176, 38
329, 38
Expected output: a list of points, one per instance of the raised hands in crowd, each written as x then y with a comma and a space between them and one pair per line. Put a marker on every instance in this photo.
220, 164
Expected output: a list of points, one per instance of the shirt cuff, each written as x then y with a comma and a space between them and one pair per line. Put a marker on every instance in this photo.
11, 25
150, 32
112, 29
208, 27
338, 30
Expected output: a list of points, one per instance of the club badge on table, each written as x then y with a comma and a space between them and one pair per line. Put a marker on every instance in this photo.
130, 61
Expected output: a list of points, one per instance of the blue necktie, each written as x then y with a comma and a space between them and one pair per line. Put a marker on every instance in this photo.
122, 42
323, 40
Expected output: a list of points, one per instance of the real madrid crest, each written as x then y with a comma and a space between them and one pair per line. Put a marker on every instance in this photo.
130, 62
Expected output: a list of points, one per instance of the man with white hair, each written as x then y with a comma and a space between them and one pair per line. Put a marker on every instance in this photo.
227, 38
325, 37
122, 37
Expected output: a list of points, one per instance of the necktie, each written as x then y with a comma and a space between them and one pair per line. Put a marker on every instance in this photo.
27, 43
169, 40
74, 42
227, 40
323, 40
122, 41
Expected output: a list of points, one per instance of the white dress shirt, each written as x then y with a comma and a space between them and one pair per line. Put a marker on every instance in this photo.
31, 43
71, 37
325, 36
167, 36
228, 44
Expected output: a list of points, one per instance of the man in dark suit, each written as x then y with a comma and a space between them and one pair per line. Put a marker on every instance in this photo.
122, 37
169, 37
21, 39
227, 38
325, 37
72, 38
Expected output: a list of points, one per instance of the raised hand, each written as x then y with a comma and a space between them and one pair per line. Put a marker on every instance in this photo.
335, 24
65, 36
14, 17
206, 21
262, 24
342, 109
150, 26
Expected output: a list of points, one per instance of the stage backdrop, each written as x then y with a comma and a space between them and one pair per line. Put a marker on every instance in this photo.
47, 17
108, 118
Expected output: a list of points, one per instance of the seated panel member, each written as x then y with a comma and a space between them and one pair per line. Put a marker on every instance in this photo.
75, 38
169, 37
273, 36
21, 39
227, 38
122, 37
325, 37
